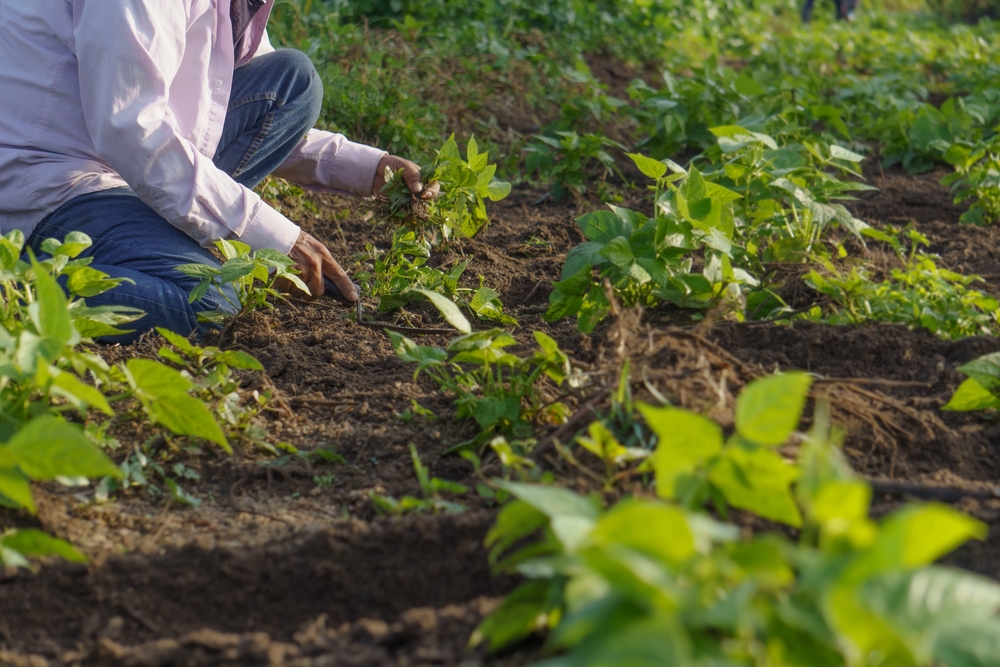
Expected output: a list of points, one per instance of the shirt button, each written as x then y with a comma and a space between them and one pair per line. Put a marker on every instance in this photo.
218, 83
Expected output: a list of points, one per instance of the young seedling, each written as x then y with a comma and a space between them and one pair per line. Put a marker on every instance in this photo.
431, 489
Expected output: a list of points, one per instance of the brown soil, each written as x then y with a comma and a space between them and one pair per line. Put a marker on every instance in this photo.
292, 566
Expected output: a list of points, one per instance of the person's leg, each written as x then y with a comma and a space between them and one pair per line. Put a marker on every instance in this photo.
807, 10
275, 99
130, 240
845, 10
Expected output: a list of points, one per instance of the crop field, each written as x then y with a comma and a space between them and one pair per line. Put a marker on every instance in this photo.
712, 374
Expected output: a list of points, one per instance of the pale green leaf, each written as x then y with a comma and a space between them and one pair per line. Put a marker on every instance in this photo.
37, 543
47, 447
157, 380
769, 409
685, 440
185, 415
448, 309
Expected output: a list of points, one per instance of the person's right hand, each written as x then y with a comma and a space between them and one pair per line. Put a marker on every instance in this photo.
314, 260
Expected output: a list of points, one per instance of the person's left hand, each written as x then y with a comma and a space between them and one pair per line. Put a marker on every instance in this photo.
411, 176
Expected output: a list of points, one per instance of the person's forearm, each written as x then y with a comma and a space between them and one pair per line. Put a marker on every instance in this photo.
328, 162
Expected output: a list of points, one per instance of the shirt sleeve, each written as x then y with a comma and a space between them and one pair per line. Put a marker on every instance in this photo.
124, 89
326, 161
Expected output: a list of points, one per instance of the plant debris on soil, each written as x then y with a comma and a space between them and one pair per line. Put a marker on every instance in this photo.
276, 568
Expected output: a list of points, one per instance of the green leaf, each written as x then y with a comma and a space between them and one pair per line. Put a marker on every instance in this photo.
31, 347
179, 495
517, 616
769, 409
490, 409
917, 535
944, 613
157, 380
197, 270
985, 370
516, 520
757, 480
477, 161
552, 501
841, 500
971, 396
15, 486
47, 447
448, 309
186, 415
603, 226
685, 441
87, 282
179, 341
66, 385
423, 355
34, 542
234, 269
238, 359
497, 190
483, 298
648, 166
53, 319
594, 307
652, 528
449, 151
745, 85
571, 516
840, 153
232, 249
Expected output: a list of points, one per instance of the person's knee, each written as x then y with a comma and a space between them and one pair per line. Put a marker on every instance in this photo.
305, 88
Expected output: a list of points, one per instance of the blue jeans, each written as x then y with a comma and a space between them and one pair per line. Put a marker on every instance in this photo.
275, 100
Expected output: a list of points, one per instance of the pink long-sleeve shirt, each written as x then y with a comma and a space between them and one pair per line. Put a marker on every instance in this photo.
97, 94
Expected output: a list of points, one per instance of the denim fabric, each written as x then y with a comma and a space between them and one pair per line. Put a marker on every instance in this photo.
275, 100
845, 8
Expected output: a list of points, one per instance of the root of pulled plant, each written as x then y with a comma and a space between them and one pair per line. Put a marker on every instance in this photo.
683, 368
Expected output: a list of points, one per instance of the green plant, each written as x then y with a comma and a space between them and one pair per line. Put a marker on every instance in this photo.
460, 207
211, 371
755, 204
976, 177
431, 489
920, 294
659, 582
415, 410
43, 375
567, 160
251, 274
981, 389
401, 275
501, 391
44, 448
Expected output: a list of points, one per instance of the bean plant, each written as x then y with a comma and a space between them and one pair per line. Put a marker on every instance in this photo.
460, 208
500, 391
47, 373
252, 275
654, 581
753, 204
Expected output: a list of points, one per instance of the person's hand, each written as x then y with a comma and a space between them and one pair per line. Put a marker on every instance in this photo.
314, 260
411, 176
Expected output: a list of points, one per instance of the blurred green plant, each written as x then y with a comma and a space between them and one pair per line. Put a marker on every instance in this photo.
661, 582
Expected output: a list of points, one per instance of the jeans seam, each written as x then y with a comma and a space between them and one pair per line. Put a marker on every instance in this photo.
256, 97
258, 141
